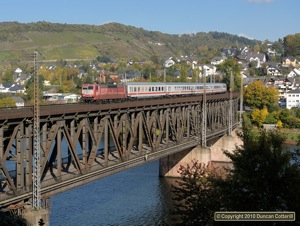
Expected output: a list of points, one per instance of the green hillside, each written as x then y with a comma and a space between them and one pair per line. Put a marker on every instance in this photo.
68, 41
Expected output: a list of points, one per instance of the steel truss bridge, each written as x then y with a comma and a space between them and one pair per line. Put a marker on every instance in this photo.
81, 143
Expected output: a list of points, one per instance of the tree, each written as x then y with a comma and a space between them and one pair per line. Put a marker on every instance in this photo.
183, 73
155, 59
259, 116
256, 48
7, 219
257, 95
7, 102
8, 75
196, 200
278, 47
263, 175
103, 59
228, 67
148, 70
291, 45
30, 87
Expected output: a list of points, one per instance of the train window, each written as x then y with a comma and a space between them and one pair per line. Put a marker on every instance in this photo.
152, 88
134, 89
139, 89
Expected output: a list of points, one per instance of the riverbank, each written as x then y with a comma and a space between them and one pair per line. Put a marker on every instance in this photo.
292, 135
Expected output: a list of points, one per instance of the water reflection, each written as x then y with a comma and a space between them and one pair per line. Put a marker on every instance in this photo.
133, 197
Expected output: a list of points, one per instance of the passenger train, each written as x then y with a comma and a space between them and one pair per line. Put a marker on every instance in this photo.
108, 92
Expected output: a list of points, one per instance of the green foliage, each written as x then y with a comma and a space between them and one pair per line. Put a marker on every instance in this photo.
257, 95
113, 40
195, 198
148, 70
292, 45
263, 175
270, 119
103, 59
30, 88
228, 67
7, 102
7, 219
288, 120
8, 75
259, 116
278, 47
183, 73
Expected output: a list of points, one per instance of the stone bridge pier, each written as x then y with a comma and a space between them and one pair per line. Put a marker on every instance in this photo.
168, 166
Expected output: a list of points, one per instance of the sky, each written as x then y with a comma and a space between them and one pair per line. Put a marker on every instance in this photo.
255, 19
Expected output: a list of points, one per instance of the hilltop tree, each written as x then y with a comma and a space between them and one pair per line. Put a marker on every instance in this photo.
291, 45
278, 47
257, 95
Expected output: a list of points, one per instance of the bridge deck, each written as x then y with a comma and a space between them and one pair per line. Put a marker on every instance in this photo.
81, 143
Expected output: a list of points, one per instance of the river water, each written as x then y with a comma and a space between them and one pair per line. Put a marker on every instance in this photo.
137, 196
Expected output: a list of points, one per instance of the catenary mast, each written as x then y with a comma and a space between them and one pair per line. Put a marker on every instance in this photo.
36, 202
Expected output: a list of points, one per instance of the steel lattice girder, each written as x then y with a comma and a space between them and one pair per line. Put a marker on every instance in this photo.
74, 147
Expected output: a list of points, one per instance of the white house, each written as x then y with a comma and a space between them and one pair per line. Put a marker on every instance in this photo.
293, 99
294, 73
217, 60
8, 87
273, 71
169, 63
19, 101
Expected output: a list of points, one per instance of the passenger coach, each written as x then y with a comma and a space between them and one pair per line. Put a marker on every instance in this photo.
142, 89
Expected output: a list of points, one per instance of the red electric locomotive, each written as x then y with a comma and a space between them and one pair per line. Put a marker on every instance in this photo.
103, 92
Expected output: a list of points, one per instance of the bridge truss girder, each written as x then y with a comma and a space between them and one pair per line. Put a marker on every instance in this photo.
77, 146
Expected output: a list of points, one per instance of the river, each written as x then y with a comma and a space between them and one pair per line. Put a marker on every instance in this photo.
137, 196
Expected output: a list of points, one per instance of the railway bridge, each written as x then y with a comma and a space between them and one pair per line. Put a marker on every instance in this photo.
80, 143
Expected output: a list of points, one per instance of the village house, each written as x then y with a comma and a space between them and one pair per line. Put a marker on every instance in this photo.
9, 87
252, 56
19, 101
273, 69
294, 73
287, 61
217, 60
293, 99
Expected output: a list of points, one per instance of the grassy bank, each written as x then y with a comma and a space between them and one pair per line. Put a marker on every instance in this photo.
293, 135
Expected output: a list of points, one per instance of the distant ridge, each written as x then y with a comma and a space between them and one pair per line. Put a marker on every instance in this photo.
56, 41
